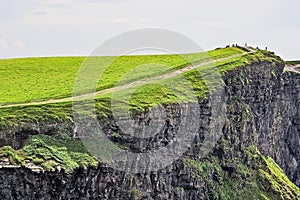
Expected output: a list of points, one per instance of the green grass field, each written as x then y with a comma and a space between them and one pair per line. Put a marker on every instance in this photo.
297, 62
36, 79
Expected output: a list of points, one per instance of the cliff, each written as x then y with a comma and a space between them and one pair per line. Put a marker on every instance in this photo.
261, 129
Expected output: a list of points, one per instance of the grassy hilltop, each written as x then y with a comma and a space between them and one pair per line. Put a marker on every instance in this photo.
31, 81
35, 79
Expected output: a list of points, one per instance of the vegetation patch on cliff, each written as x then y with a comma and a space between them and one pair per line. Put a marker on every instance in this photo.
14, 157
259, 178
50, 152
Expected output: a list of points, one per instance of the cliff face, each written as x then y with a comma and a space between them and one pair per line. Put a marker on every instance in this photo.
287, 125
262, 110
273, 101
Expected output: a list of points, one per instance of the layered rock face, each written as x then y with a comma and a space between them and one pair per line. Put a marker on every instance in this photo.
260, 108
287, 125
273, 101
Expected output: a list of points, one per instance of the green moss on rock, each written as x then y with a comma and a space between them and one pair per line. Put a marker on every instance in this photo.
50, 152
15, 157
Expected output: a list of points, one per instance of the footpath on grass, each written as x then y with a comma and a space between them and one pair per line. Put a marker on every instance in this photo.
294, 68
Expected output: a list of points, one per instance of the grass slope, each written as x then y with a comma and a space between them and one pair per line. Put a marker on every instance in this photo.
34, 79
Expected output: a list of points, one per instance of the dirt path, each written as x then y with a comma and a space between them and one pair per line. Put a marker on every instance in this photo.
125, 86
295, 68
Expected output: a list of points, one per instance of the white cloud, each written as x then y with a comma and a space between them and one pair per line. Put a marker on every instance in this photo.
40, 13
10, 48
18, 45
47, 2
3, 44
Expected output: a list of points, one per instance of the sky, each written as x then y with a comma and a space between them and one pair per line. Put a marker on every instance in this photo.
33, 28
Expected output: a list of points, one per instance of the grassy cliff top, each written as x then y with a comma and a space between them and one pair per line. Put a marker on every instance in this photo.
40, 89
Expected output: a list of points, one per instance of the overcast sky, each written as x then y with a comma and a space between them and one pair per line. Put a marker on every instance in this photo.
76, 27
